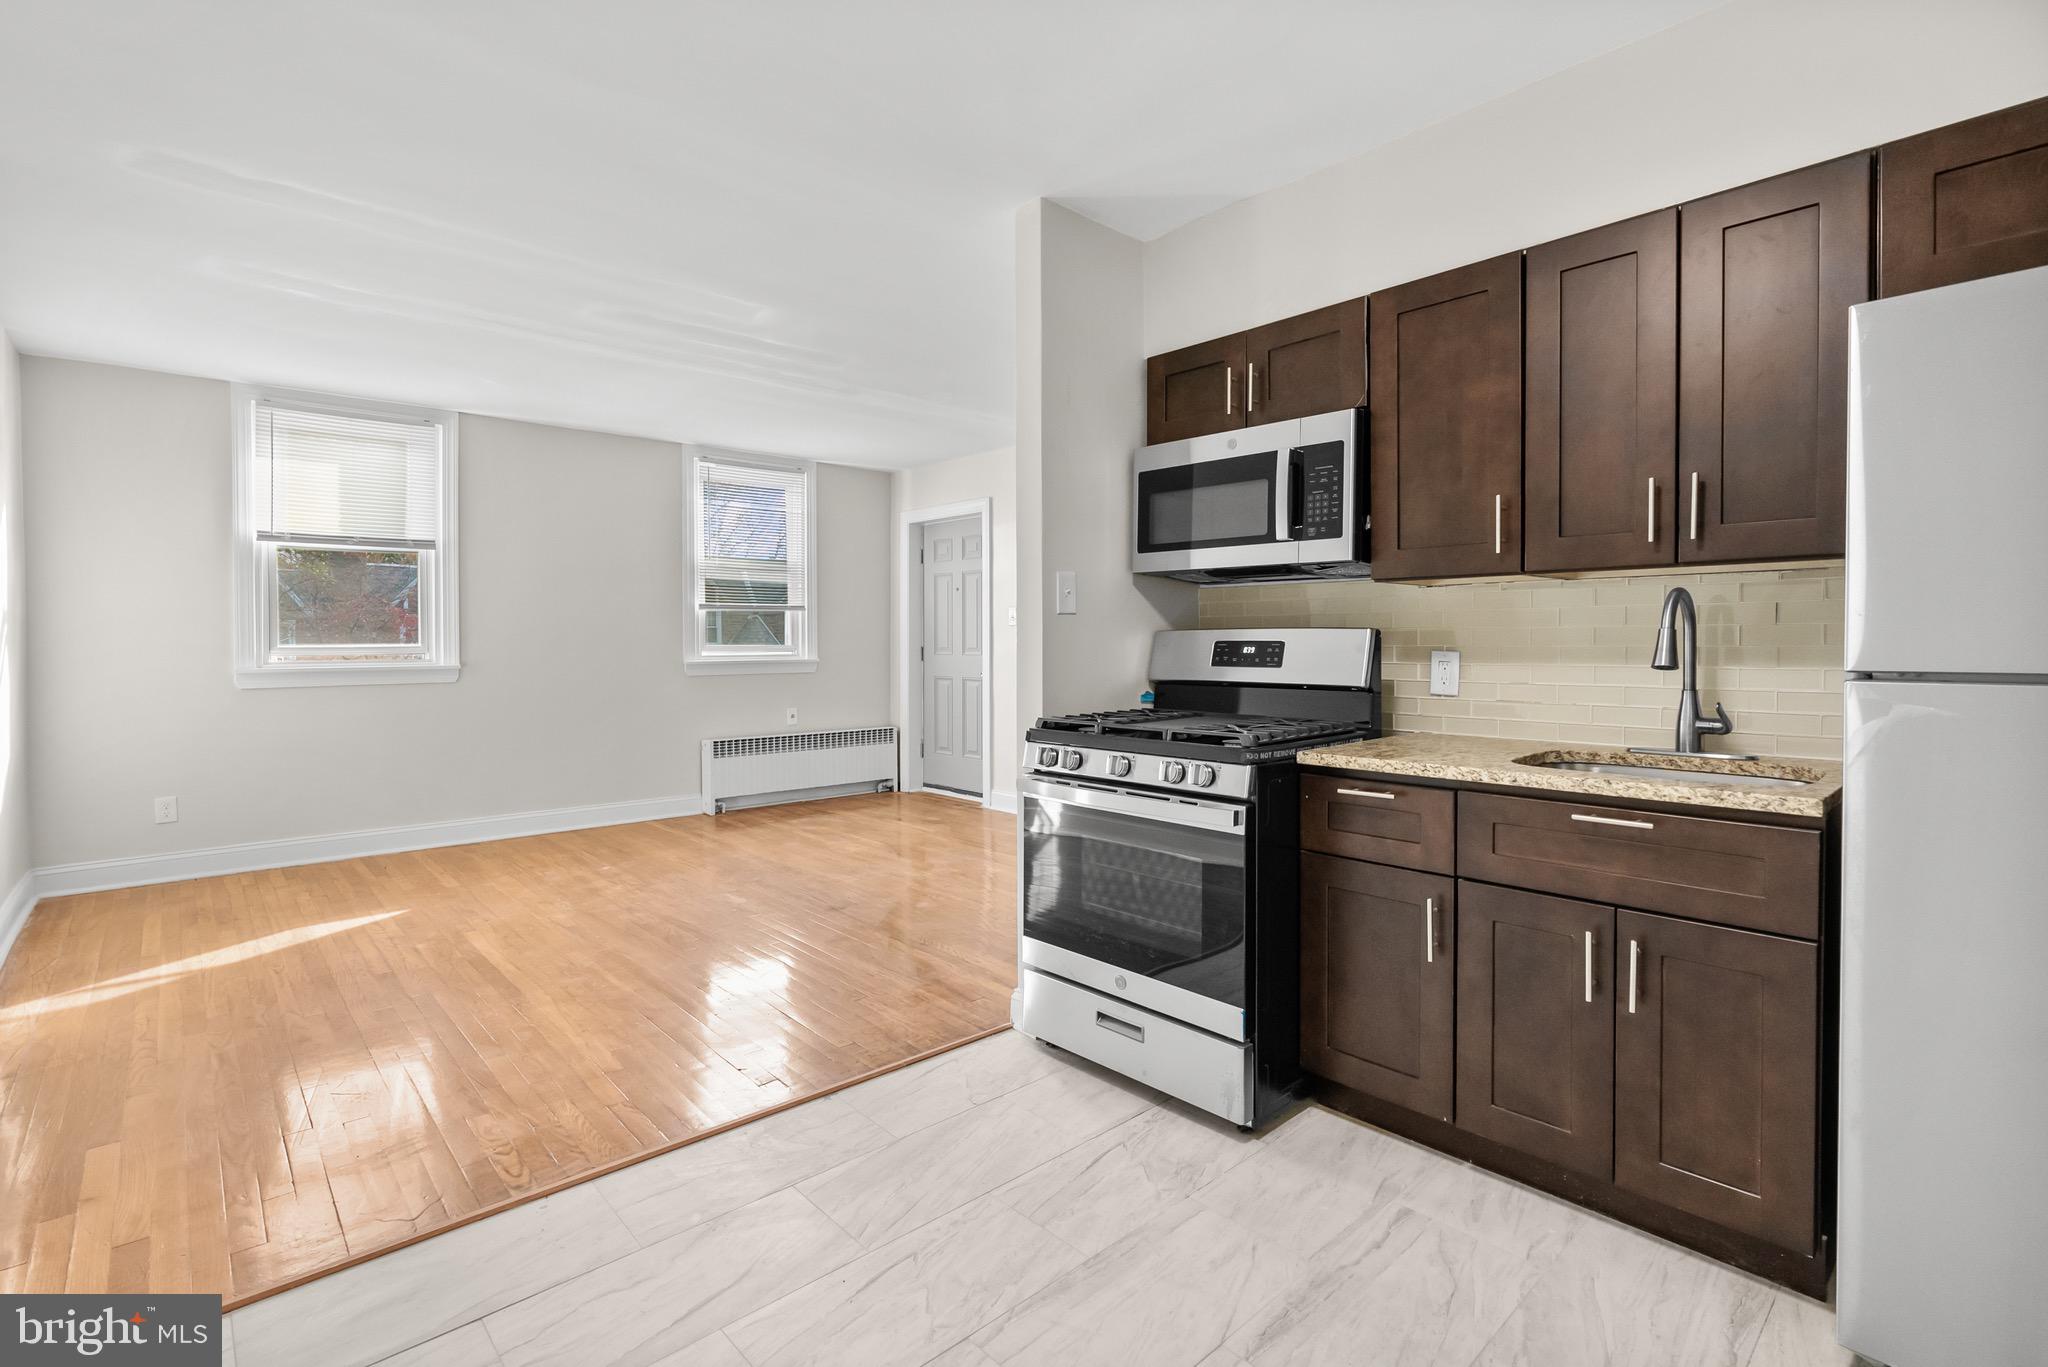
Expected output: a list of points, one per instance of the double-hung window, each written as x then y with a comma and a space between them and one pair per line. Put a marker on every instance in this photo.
345, 541
753, 598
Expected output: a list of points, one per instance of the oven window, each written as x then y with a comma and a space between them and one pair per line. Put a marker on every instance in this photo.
1210, 503
1139, 894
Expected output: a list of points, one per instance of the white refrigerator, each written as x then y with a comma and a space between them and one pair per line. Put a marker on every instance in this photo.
1943, 1222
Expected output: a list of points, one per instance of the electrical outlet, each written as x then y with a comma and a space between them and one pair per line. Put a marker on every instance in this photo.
166, 810
1013, 617
1443, 673
1063, 596
789, 718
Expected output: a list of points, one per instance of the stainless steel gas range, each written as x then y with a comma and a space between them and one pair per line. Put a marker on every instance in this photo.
1159, 862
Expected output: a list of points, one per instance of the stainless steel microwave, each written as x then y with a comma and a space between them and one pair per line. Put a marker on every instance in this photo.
1286, 500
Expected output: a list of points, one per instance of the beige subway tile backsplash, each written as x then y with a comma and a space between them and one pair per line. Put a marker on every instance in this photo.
1569, 661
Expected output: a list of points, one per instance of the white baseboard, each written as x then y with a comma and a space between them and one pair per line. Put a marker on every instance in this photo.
21, 900
1000, 801
97, 875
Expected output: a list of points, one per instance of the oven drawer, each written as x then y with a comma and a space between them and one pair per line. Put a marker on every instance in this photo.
1202, 1070
1754, 877
1361, 817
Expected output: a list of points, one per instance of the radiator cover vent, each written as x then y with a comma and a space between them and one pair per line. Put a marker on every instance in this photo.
790, 766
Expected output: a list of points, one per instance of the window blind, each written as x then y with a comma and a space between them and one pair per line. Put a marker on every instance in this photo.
343, 480
750, 537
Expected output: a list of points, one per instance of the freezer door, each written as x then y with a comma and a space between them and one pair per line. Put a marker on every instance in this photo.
1948, 480
1944, 1047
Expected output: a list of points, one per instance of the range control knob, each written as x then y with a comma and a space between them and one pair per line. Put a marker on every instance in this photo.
1205, 775
1049, 756
1073, 759
1120, 766
1173, 771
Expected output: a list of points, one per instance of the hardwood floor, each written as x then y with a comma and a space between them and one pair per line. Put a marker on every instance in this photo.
233, 1084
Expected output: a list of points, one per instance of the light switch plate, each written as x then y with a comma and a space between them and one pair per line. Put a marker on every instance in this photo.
1063, 593
1443, 673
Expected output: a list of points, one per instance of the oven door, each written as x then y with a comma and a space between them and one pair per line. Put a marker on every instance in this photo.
1214, 502
1142, 896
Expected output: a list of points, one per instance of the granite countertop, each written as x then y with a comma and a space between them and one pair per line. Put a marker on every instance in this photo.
1495, 762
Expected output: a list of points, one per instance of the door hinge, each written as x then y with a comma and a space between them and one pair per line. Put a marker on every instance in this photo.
920, 749
920, 652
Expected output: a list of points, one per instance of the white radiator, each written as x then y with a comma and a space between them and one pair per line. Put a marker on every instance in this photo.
791, 766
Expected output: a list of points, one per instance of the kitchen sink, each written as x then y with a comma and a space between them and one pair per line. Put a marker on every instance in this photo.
1669, 774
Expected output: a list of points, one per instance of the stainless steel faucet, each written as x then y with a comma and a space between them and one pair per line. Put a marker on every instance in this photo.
1678, 606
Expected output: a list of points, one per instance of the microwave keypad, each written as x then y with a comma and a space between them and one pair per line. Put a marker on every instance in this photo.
1322, 511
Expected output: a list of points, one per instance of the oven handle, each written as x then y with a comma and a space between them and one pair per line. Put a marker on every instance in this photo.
1208, 816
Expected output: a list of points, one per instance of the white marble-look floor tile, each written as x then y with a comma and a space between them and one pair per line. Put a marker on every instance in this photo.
1396, 1290
1098, 1191
1314, 1177
1800, 1333
227, 1341
714, 1350
886, 1194
468, 1346
911, 1298
963, 1354
388, 1304
1168, 1295
702, 1181
1612, 1297
907, 1100
1493, 1209
637, 1309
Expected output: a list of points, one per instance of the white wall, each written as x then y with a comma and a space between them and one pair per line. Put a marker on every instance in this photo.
573, 634
1081, 371
1744, 91
16, 852
991, 475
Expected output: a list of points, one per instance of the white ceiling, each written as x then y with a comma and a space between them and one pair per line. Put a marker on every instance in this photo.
774, 226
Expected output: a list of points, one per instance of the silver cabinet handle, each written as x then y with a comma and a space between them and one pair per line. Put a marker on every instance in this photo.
1429, 930
1229, 390
1589, 965
1693, 532
1251, 386
1635, 952
1650, 517
1498, 499
1366, 792
1614, 821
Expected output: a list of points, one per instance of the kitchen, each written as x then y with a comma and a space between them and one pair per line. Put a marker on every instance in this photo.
1623, 532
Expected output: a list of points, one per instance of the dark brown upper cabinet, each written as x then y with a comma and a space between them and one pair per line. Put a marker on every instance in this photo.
1964, 201
1445, 367
1311, 363
1716, 1074
1536, 1025
1600, 407
1194, 391
1767, 274
1377, 980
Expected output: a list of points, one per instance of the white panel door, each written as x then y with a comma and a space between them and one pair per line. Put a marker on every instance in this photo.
1944, 1044
1948, 480
954, 671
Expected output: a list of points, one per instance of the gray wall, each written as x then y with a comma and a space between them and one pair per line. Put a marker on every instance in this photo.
573, 635
16, 854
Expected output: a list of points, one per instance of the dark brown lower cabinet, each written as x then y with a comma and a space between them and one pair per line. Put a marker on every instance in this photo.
1536, 1025
1716, 1052
1377, 980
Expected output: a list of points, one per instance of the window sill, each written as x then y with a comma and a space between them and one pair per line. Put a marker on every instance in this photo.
328, 676
743, 664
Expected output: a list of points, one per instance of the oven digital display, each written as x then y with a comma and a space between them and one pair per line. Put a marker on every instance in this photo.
1247, 654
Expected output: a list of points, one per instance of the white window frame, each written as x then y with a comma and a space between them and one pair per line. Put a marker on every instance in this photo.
699, 659
254, 589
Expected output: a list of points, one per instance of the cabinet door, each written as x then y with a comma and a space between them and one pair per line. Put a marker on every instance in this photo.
1445, 369
1716, 1066
1964, 201
1536, 1025
1601, 407
1311, 363
1377, 978
1768, 273
1194, 391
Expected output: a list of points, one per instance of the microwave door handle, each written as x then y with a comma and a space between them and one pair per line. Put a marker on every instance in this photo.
1297, 493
